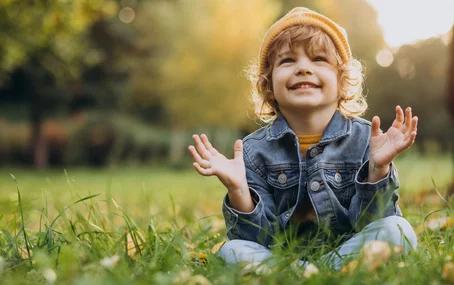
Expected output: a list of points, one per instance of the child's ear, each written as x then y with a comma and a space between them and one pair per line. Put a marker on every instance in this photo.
270, 96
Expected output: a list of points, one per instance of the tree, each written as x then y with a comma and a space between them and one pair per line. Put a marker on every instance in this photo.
416, 78
46, 40
201, 53
198, 51
450, 95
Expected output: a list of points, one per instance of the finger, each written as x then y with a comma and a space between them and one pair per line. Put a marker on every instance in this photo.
375, 128
197, 158
238, 150
201, 147
414, 124
399, 117
413, 137
208, 145
408, 119
202, 171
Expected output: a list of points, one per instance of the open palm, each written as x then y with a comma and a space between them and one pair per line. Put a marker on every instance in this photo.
384, 147
208, 161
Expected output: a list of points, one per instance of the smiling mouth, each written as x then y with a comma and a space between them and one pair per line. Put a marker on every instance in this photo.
304, 85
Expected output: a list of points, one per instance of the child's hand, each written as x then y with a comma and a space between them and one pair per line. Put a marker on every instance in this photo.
385, 147
208, 161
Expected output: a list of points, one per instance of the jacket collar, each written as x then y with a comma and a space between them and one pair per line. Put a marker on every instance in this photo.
339, 126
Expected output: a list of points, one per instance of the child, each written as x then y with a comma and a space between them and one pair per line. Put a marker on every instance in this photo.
316, 167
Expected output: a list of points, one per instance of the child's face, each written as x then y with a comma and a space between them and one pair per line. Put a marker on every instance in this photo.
304, 82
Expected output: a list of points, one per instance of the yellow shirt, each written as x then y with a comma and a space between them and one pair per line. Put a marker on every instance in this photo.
307, 141
305, 212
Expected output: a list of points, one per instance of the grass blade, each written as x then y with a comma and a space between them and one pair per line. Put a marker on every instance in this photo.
27, 245
67, 207
436, 190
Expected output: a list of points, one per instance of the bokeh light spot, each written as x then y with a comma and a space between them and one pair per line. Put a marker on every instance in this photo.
384, 58
127, 15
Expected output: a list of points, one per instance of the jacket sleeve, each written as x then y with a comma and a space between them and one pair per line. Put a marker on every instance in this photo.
258, 225
373, 200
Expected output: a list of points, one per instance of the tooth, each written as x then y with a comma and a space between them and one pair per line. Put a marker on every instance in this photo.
304, 86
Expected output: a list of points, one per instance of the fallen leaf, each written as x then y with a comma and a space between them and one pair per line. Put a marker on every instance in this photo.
350, 267
24, 253
375, 253
134, 248
419, 229
449, 223
448, 272
427, 199
217, 247
439, 223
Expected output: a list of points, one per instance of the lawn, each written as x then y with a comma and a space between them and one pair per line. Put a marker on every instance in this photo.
158, 226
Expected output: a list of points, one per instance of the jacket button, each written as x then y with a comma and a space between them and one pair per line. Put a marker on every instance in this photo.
315, 186
282, 178
313, 152
337, 178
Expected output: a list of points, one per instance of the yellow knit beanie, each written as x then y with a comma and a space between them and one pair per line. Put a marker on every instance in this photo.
304, 16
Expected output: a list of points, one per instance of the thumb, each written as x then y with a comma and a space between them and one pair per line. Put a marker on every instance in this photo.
375, 128
238, 150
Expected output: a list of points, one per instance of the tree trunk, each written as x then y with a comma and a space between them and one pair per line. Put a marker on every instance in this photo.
450, 98
39, 145
451, 77
177, 146
39, 83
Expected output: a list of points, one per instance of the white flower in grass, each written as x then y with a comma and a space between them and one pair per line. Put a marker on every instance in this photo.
110, 262
2, 265
199, 280
258, 268
310, 270
376, 253
49, 275
182, 277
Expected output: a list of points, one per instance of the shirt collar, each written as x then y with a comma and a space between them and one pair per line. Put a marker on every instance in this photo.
339, 126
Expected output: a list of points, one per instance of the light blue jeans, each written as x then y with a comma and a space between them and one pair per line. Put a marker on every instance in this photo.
394, 229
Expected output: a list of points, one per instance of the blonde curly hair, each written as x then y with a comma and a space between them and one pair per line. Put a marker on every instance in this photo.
351, 102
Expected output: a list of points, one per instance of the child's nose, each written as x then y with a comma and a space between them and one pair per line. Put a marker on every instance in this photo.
303, 67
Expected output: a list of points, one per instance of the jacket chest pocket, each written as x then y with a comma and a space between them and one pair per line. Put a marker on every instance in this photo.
342, 183
285, 186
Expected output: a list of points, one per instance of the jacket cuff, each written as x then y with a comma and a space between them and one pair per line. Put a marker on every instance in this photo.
367, 189
233, 216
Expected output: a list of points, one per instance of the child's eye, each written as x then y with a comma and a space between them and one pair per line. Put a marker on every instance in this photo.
286, 60
319, 58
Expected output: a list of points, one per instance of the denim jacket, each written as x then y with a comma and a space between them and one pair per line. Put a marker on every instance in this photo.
333, 176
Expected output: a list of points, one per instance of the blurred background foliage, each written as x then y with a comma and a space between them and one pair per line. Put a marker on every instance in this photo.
99, 82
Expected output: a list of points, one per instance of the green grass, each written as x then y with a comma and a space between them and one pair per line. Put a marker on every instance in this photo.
148, 221
416, 172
